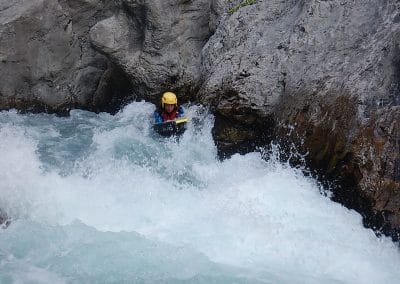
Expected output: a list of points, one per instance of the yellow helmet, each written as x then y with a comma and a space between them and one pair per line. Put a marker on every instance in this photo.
169, 98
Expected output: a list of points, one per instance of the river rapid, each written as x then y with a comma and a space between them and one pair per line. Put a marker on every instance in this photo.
96, 198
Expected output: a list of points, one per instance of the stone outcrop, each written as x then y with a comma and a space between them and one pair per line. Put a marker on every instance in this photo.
46, 61
323, 75
157, 43
320, 76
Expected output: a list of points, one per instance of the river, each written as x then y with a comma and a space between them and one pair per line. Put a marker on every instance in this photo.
99, 198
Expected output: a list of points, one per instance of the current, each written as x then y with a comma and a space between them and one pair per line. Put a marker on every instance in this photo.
100, 198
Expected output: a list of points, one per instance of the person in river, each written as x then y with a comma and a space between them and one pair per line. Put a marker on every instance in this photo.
169, 109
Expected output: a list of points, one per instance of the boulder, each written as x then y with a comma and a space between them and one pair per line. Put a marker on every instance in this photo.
46, 61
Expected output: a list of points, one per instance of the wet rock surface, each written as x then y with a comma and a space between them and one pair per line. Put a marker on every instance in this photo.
323, 78
359, 161
46, 61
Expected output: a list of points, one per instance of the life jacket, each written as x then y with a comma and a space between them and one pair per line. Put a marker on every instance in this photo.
169, 116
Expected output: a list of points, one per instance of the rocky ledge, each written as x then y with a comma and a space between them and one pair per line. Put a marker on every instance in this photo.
322, 77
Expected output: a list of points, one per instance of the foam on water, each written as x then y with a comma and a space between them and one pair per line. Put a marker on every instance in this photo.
101, 198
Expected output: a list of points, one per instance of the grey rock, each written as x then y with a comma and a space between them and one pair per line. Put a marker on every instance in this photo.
271, 48
156, 43
46, 61
322, 75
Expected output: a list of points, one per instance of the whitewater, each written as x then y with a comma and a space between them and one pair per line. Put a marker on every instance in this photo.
100, 198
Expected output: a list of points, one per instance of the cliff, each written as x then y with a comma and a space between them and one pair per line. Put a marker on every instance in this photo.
320, 76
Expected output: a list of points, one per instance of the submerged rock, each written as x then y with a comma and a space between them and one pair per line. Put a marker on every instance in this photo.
4, 220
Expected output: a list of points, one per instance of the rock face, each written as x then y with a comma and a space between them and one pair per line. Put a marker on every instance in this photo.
323, 75
266, 52
46, 62
157, 43
320, 76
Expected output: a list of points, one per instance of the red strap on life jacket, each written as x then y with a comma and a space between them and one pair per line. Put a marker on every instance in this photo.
169, 116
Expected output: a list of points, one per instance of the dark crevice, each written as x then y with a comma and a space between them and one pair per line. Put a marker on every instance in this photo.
234, 137
115, 90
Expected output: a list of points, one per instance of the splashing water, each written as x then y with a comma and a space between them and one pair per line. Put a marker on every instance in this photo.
96, 198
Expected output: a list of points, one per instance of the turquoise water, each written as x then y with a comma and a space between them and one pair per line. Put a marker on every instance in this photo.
96, 198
